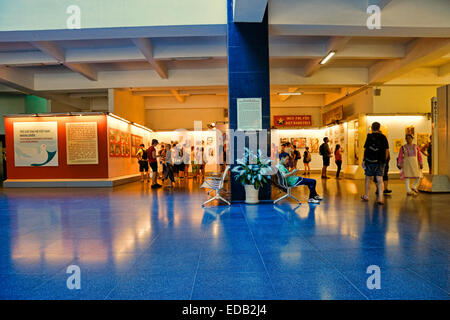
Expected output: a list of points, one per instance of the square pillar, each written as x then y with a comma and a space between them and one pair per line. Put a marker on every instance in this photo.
248, 77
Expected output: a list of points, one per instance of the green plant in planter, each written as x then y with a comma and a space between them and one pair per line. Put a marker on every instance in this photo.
253, 169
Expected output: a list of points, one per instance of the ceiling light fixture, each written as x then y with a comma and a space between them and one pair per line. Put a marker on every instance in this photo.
328, 57
290, 93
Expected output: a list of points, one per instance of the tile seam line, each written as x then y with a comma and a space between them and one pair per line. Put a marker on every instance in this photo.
140, 255
198, 263
259, 253
326, 260
426, 280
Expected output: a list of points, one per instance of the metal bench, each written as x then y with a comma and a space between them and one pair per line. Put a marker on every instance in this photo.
215, 184
285, 186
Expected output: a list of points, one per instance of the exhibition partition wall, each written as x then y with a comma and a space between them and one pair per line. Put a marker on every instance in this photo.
76, 149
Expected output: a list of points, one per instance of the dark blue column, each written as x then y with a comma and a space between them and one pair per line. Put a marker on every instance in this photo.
248, 77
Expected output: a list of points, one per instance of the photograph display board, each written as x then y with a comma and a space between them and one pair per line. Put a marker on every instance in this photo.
36, 144
119, 143
136, 141
333, 115
249, 114
81, 143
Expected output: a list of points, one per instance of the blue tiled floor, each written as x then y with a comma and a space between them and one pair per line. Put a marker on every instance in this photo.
132, 242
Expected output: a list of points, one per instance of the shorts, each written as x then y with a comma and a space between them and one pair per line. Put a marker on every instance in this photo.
385, 173
374, 169
181, 167
143, 166
326, 161
154, 166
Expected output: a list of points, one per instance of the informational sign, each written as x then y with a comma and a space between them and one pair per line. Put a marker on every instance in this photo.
292, 121
81, 143
35, 144
119, 143
249, 114
333, 115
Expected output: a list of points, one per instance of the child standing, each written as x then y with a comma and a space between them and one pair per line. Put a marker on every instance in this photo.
409, 161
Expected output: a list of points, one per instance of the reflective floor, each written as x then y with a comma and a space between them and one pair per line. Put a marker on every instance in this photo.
132, 242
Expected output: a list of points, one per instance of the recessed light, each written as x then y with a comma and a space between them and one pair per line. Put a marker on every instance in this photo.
328, 57
290, 94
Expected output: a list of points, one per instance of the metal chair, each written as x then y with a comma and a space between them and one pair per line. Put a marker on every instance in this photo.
285, 186
215, 184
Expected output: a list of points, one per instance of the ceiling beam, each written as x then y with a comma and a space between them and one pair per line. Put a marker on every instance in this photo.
334, 44
419, 53
51, 49
145, 46
279, 49
179, 97
58, 53
444, 70
18, 79
84, 69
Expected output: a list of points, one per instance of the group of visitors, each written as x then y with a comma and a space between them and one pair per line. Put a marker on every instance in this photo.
290, 150
325, 152
376, 163
174, 159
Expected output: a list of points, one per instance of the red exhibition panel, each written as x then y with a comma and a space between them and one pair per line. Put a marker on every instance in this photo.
63, 170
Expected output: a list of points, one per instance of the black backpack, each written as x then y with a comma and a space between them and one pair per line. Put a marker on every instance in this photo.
373, 152
144, 155
322, 149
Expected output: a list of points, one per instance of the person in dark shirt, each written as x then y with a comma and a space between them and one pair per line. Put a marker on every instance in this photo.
296, 155
325, 152
376, 153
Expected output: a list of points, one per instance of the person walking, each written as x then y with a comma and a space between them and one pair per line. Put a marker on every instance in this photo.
186, 158
376, 151
296, 155
168, 167
153, 161
385, 177
409, 161
177, 155
306, 161
143, 162
325, 152
338, 159
162, 156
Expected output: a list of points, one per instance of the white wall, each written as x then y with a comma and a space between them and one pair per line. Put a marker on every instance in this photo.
404, 99
51, 14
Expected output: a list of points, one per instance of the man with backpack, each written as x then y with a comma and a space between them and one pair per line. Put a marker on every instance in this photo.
143, 162
376, 153
325, 152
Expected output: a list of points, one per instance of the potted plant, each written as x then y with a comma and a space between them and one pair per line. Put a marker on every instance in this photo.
252, 171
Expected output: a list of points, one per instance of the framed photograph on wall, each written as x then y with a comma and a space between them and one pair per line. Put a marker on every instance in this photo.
397, 144
314, 145
423, 139
299, 142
